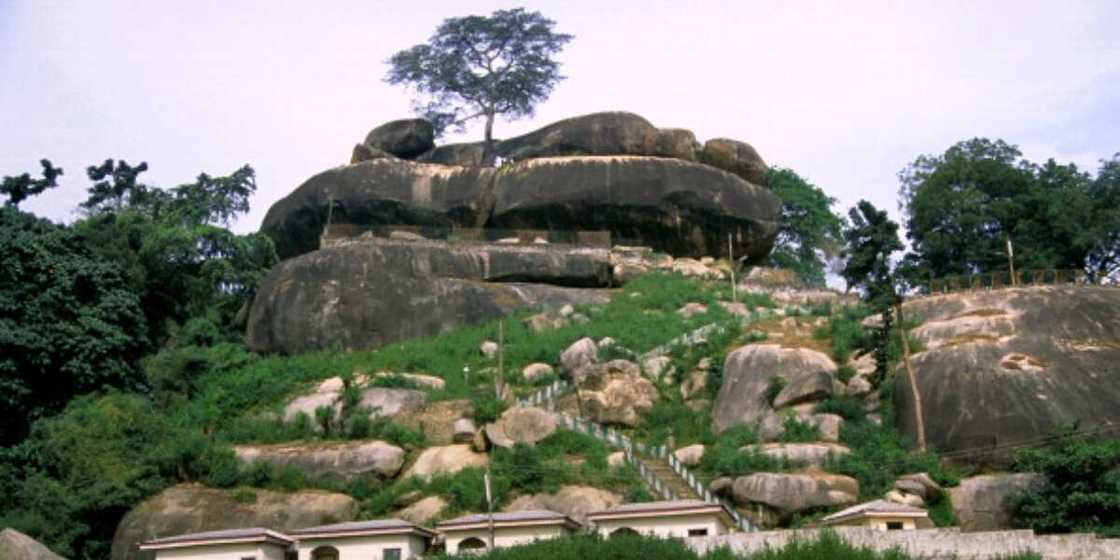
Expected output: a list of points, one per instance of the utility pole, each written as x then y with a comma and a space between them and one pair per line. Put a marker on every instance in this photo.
489, 505
731, 258
1011, 261
919, 413
501, 360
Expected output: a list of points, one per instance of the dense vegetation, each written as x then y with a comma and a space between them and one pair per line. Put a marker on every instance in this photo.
827, 547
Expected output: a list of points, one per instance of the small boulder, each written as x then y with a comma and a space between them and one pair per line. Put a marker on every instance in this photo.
465, 154
656, 366
920, 484
736, 308
616, 459
464, 430
521, 425
806, 386
345, 459
488, 348
405, 138
858, 386
423, 511
982, 503
692, 309
15, 545
363, 152
905, 499
828, 426
808, 454
388, 401
535, 371
736, 157
429, 382
695, 384
691, 455
615, 393
788, 494
445, 459
722, 485
677, 143
574, 501
581, 353
545, 321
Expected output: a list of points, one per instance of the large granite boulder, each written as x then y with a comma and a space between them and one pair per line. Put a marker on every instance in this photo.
802, 454
423, 511
615, 393
345, 459
466, 154
440, 421
391, 401
983, 502
15, 545
193, 508
526, 425
1009, 366
363, 296
574, 501
736, 157
750, 371
675, 206
597, 134
787, 494
445, 459
405, 138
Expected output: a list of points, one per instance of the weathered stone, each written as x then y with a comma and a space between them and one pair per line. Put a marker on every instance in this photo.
790, 493
582, 352
489, 349
807, 454
423, 511
386, 401
736, 157
574, 501
535, 371
695, 384
366, 295
399, 235
675, 206
657, 366
677, 143
308, 404
15, 545
464, 430
692, 309
691, 455
419, 380
616, 459
911, 482
465, 154
982, 503
596, 134
521, 425
408, 498
736, 308
722, 485
345, 459
545, 321
363, 152
193, 508
436, 420
905, 499
972, 400
805, 387
858, 386
911, 487
405, 138
446, 459
747, 375
615, 393
828, 426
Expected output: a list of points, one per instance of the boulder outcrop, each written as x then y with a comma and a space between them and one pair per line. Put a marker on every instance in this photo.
405, 138
193, 508
526, 425
363, 296
736, 157
787, 494
803, 454
615, 393
344, 459
15, 545
1009, 366
601, 134
675, 206
446, 459
574, 501
749, 373
982, 503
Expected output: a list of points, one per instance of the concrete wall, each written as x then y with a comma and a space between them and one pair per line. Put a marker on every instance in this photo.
932, 543
664, 526
503, 536
880, 523
371, 547
235, 551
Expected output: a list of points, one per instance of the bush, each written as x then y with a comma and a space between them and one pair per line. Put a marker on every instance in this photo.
1083, 494
796, 431
849, 408
724, 458
777, 383
488, 409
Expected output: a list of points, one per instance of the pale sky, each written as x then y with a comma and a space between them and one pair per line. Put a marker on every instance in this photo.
846, 93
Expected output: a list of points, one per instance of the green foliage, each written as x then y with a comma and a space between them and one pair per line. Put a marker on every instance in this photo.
20, 187
724, 458
963, 205
488, 408
845, 373
880, 455
870, 240
845, 332
796, 431
479, 66
774, 388
68, 322
809, 230
1083, 491
849, 408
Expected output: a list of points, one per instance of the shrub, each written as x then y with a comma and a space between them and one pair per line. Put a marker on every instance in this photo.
796, 431
1083, 494
777, 383
849, 408
845, 373
487, 409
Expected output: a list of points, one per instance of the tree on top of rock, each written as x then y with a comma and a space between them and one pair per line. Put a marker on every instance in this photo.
479, 66
809, 232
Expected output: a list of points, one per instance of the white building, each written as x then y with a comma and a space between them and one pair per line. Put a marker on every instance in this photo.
472, 532
676, 518
232, 544
881, 515
382, 539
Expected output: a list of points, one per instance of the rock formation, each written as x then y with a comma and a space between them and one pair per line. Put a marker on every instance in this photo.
750, 371
192, 508
15, 545
982, 503
344, 459
1009, 366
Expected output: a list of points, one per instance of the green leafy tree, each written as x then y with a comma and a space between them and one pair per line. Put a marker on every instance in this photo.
810, 231
69, 322
20, 187
962, 207
871, 239
1083, 490
481, 67
1104, 256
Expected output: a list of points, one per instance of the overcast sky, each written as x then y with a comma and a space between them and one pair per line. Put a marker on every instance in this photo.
846, 93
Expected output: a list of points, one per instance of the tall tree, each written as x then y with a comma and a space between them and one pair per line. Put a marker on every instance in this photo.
20, 187
810, 231
481, 67
871, 238
1103, 262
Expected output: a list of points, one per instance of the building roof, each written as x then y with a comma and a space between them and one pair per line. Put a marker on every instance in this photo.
509, 519
247, 535
360, 528
663, 508
874, 508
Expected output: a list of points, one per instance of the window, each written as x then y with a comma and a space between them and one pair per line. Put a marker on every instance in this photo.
697, 532
894, 525
391, 554
324, 553
624, 532
472, 543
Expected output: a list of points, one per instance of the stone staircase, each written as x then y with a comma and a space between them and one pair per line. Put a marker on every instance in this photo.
679, 489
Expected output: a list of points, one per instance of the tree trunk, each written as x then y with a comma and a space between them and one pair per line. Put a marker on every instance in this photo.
919, 412
488, 155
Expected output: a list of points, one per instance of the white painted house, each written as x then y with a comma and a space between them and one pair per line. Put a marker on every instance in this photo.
382, 539
231, 544
881, 515
675, 518
472, 532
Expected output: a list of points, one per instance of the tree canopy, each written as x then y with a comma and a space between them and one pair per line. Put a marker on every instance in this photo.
810, 231
20, 187
962, 206
480, 67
